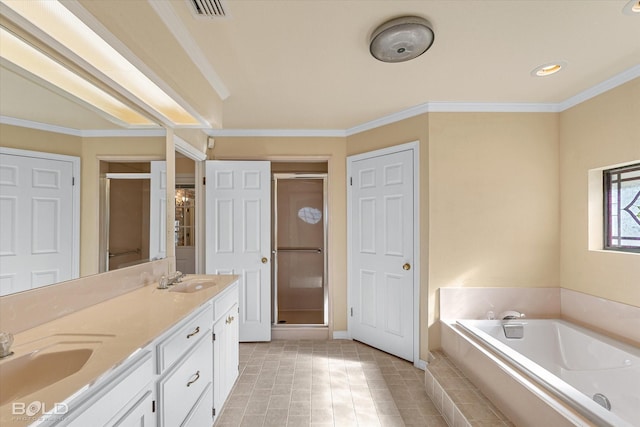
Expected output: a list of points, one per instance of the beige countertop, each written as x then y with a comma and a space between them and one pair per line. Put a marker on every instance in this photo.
114, 329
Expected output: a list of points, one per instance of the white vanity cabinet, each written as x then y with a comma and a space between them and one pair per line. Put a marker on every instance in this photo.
125, 398
225, 346
179, 379
186, 371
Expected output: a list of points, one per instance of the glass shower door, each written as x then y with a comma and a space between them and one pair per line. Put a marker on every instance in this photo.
300, 258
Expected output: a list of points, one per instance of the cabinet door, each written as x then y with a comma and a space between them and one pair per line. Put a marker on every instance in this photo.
225, 356
140, 415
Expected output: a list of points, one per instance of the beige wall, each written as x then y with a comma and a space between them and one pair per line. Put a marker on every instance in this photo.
317, 149
598, 133
494, 219
38, 140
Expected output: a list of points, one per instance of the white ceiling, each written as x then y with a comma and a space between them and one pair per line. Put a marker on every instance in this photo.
305, 64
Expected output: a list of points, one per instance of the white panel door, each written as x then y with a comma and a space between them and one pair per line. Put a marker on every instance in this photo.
158, 211
37, 229
381, 257
238, 231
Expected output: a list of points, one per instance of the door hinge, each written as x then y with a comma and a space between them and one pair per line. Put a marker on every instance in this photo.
153, 406
213, 412
351, 311
204, 180
213, 336
350, 180
73, 181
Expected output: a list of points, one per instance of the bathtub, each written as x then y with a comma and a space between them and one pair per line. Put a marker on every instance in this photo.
573, 364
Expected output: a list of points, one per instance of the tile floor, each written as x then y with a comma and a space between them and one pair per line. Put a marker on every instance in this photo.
326, 383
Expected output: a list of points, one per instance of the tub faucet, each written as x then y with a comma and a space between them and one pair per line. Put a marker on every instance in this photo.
6, 339
510, 315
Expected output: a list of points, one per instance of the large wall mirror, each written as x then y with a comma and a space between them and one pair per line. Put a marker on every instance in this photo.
39, 118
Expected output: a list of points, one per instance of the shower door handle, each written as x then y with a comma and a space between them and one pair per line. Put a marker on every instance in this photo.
314, 250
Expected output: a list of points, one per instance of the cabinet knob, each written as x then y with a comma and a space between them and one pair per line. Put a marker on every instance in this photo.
196, 331
195, 377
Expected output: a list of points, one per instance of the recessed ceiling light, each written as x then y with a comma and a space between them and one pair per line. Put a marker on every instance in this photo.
548, 69
632, 8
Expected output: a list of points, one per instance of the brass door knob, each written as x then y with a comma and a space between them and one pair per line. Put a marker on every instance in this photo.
264, 260
407, 266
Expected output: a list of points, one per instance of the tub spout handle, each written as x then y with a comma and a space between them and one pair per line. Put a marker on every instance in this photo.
511, 314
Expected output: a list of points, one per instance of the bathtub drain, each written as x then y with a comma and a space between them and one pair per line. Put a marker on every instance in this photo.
602, 400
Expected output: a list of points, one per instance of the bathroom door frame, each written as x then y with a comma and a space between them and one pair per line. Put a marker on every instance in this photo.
274, 250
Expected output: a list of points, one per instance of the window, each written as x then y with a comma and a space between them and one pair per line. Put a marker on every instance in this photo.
622, 208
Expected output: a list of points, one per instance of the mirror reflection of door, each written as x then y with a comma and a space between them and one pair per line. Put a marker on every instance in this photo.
185, 219
132, 228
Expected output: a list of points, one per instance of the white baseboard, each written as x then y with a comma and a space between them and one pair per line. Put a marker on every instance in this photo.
341, 335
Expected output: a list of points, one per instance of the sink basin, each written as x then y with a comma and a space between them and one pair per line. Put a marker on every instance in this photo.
193, 285
33, 371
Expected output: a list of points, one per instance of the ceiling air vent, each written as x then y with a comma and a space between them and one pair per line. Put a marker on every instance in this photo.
210, 8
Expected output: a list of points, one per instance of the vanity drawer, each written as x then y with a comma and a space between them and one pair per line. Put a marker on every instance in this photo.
174, 346
222, 303
181, 388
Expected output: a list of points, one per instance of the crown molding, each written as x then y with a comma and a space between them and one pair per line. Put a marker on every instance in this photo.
298, 133
600, 88
186, 149
82, 133
5, 120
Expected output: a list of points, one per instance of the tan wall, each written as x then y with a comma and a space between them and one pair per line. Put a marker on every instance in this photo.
598, 133
149, 148
38, 140
494, 203
318, 149
409, 130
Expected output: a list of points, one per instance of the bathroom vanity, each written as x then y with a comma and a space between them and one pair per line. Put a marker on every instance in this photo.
150, 357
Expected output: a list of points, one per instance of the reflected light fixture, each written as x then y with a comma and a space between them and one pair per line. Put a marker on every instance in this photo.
16, 51
66, 28
401, 39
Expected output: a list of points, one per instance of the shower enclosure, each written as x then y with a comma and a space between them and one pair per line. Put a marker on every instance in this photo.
299, 249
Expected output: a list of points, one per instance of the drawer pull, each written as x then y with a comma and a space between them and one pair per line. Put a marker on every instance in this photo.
197, 330
195, 377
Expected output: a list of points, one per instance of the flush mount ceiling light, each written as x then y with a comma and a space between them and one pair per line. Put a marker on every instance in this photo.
548, 69
401, 39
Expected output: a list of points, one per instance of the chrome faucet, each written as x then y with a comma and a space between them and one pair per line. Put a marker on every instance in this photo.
510, 315
175, 278
6, 339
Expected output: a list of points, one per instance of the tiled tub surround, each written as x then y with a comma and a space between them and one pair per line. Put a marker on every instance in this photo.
121, 326
523, 401
459, 401
618, 320
572, 362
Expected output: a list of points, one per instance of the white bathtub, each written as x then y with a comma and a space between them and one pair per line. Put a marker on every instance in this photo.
572, 363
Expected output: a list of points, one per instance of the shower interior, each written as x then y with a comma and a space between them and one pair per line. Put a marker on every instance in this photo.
299, 249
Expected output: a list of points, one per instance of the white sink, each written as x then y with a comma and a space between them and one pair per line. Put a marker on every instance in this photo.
193, 285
